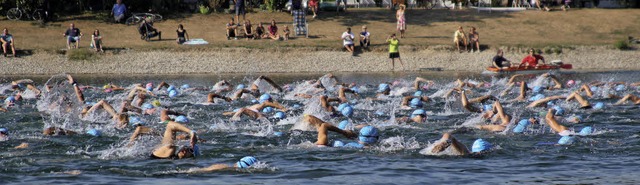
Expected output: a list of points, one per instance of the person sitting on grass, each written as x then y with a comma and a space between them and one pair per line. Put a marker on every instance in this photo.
183, 36
500, 62
231, 30
286, 32
460, 39
531, 60
347, 40
96, 41
147, 30
260, 33
365, 41
73, 35
474, 39
273, 31
7, 41
248, 30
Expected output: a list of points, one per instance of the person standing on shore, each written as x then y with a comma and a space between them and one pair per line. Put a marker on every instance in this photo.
402, 26
347, 40
460, 38
118, 11
240, 10
7, 41
73, 35
393, 50
313, 4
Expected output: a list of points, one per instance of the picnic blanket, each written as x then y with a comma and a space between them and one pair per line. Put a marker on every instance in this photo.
196, 42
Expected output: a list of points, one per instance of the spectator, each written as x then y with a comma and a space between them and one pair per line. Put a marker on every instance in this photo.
273, 31
248, 30
73, 35
239, 10
338, 5
402, 25
474, 39
364, 37
531, 60
147, 30
96, 41
231, 30
393, 50
118, 11
183, 36
500, 62
313, 4
286, 32
260, 32
460, 39
7, 41
347, 38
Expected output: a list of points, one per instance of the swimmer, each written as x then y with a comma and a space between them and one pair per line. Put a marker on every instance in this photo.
243, 163
168, 149
544, 101
254, 89
417, 116
584, 104
416, 100
633, 98
480, 146
254, 110
110, 87
466, 103
418, 83
504, 119
554, 79
586, 89
553, 123
212, 96
367, 135
51, 131
23, 84
121, 118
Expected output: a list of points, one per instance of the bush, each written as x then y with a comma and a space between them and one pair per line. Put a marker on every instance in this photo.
621, 45
81, 54
204, 9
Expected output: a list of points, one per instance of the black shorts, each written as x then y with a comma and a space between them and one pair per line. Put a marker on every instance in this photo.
394, 55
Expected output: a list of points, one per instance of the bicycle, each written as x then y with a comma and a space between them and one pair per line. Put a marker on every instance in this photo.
138, 17
17, 13
429, 4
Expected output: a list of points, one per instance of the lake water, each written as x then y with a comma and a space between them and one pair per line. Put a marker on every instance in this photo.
607, 156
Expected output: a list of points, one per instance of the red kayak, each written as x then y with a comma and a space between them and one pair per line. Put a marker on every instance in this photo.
529, 69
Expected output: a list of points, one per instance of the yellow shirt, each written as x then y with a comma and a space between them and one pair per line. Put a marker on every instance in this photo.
458, 36
393, 45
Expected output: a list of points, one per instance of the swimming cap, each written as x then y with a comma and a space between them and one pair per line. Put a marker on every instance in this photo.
147, 106
173, 93
536, 97
181, 119
10, 99
108, 90
368, 134
135, 121
156, 103
149, 86
594, 88
342, 106
419, 112
338, 144
343, 124
4, 131
245, 162
171, 87
347, 111
559, 110
279, 115
415, 102
620, 87
254, 101
571, 83
240, 86
267, 109
480, 145
279, 134
488, 107
537, 89
93, 132
586, 131
522, 124
355, 89
383, 87
264, 97
295, 106
566, 140
185, 86
417, 93
598, 105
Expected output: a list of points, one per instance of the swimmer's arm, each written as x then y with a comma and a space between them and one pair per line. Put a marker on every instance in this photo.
513, 78
33, 88
79, 94
22, 81
274, 84
214, 167
164, 115
3, 109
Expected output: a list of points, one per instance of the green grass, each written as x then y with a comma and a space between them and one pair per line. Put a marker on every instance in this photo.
82, 55
621, 45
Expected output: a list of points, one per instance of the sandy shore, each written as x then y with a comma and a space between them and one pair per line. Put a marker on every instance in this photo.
240, 60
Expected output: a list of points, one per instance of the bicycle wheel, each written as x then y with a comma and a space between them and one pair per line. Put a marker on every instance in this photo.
156, 17
132, 20
14, 14
37, 15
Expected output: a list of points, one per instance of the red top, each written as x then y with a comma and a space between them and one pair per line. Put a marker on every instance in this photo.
531, 60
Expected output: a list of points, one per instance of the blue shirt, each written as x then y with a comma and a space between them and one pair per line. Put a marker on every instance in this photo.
119, 9
6, 38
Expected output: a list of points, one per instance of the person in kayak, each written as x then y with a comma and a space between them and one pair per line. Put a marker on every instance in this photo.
532, 59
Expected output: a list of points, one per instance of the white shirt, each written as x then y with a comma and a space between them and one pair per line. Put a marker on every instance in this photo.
347, 38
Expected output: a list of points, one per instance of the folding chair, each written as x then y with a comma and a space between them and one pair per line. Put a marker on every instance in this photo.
300, 26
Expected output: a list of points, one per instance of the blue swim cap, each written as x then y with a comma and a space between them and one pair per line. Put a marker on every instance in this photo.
295, 106
522, 124
10, 99
4, 131
181, 119
264, 97
488, 107
551, 103
355, 89
598, 105
185, 86
347, 111
368, 134
417, 93
343, 124
566, 140
240, 86
536, 97
338, 144
245, 162
267, 109
279, 134
594, 88
620, 87
537, 89
559, 110
415, 102
279, 115
173, 93
586, 131
342, 106
480, 145
94, 132
147, 106
383, 87
135, 121
419, 112
171, 87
